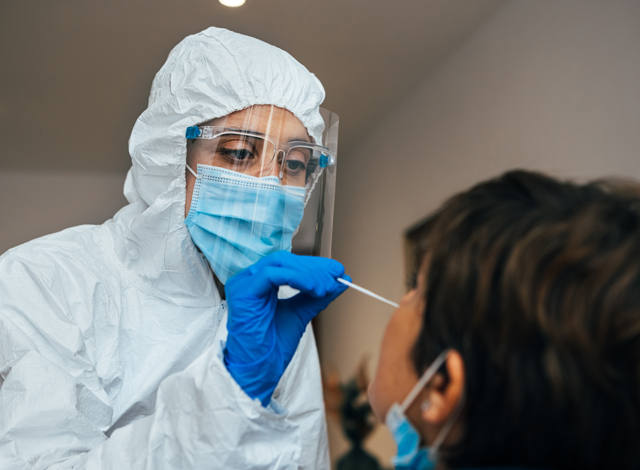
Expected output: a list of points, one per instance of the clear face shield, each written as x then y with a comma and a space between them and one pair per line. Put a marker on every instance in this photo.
262, 182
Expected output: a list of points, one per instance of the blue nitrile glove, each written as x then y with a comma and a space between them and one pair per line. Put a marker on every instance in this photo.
264, 331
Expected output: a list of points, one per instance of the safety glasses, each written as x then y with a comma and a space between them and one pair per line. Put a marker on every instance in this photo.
255, 154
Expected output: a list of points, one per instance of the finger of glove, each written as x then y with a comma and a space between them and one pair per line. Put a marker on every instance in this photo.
314, 264
239, 281
245, 281
328, 286
270, 278
335, 289
320, 274
307, 306
315, 281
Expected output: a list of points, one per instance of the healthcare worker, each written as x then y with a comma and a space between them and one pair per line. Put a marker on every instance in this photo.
113, 338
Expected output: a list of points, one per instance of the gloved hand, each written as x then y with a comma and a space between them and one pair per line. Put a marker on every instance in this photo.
264, 331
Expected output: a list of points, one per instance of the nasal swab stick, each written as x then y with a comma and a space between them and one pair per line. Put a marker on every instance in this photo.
368, 292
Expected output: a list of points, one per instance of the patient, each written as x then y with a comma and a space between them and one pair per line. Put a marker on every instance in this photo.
528, 307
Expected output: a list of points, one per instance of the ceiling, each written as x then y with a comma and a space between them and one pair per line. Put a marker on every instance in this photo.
75, 74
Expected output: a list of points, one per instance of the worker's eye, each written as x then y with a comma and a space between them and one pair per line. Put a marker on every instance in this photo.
241, 149
297, 159
238, 154
236, 148
295, 166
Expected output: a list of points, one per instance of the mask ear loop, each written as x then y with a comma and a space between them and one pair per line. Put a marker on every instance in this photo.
428, 375
192, 172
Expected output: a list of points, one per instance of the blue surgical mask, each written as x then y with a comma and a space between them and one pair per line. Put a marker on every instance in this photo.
236, 219
410, 455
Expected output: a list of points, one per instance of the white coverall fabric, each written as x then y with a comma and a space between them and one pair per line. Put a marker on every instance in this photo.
111, 336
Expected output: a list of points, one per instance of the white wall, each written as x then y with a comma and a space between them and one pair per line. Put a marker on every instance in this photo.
35, 203
544, 84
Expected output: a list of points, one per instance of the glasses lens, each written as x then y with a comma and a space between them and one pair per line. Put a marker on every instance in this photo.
242, 152
300, 163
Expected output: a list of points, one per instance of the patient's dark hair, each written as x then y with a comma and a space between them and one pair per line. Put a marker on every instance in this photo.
536, 283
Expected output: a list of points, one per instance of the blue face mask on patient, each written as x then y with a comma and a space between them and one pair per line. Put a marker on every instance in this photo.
410, 455
236, 219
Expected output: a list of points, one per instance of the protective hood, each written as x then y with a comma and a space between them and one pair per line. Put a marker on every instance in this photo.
206, 76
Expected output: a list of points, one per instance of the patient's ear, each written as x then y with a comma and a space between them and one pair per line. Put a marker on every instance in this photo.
440, 400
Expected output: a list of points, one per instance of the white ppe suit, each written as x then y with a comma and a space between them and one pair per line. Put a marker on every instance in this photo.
111, 336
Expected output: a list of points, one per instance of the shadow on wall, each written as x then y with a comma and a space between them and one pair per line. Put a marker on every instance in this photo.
33, 204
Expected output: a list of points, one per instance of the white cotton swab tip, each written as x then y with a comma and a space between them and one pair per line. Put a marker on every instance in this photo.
368, 292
